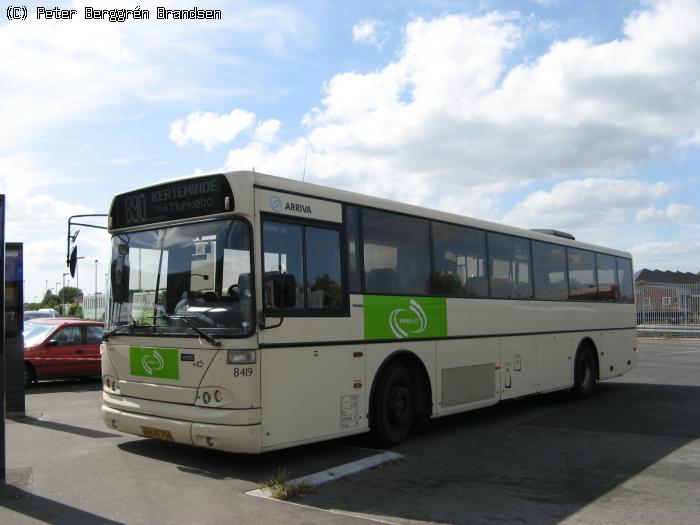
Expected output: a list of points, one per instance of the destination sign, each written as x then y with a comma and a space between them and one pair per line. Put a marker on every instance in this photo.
171, 201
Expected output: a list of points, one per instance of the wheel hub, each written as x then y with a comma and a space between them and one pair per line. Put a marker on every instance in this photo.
399, 404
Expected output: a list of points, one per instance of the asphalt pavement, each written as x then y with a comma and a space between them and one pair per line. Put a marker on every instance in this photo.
629, 454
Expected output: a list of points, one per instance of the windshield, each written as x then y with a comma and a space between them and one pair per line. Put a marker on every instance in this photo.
200, 271
35, 333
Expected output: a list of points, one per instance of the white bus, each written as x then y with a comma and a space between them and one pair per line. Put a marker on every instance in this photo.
250, 313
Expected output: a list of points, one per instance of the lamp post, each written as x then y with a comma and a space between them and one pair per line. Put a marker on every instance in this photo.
95, 279
77, 278
63, 301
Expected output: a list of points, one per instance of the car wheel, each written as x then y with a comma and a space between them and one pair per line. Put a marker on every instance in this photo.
584, 373
29, 376
394, 405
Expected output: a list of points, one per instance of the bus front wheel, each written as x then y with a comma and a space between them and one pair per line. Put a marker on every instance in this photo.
584, 373
394, 406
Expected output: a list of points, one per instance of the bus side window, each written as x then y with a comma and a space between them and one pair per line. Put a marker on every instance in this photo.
396, 253
509, 266
282, 247
459, 261
624, 279
549, 264
323, 280
306, 257
608, 289
583, 284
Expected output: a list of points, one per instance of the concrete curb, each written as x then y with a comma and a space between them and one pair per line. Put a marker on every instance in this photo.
334, 473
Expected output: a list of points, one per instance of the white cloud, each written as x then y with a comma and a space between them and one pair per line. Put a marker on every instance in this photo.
453, 112
692, 139
286, 160
674, 213
365, 32
372, 32
267, 131
210, 129
547, 3
55, 73
580, 203
39, 220
674, 254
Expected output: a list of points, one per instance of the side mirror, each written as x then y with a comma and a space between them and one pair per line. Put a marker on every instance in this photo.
283, 290
52, 342
73, 261
120, 278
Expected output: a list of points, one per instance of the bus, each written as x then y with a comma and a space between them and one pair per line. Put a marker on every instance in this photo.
249, 313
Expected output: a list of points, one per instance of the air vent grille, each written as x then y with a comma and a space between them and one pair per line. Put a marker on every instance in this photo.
466, 384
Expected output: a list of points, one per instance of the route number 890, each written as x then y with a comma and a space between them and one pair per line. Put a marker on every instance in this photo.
135, 209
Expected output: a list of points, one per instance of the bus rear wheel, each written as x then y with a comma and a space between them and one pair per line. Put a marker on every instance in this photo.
394, 405
584, 373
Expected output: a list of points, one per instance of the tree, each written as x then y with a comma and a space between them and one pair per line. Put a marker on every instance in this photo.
31, 306
68, 294
75, 310
50, 301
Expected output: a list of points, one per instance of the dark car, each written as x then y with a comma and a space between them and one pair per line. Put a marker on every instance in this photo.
58, 348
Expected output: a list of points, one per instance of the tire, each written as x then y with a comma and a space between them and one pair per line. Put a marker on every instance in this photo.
584, 373
393, 406
29, 376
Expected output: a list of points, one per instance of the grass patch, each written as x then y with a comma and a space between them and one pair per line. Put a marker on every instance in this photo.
281, 489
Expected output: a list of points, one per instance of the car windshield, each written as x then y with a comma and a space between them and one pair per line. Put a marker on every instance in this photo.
199, 271
35, 333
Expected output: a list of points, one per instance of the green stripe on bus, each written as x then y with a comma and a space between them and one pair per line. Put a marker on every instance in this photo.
400, 317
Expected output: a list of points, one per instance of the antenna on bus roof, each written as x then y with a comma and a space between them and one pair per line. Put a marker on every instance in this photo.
303, 173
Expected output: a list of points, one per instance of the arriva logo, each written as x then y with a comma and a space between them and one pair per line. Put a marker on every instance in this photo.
276, 203
411, 321
153, 362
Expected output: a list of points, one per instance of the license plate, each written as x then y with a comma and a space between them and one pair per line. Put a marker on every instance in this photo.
157, 433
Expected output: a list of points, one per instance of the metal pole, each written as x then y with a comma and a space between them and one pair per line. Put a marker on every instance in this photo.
77, 280
63, 301
95, 277
3, 476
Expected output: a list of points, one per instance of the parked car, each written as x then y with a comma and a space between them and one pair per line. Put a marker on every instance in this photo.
58, 347
41, 312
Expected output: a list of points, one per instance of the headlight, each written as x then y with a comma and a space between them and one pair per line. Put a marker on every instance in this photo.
240, 357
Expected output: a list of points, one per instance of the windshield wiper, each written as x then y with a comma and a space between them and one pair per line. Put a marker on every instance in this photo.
133, 324
186, 319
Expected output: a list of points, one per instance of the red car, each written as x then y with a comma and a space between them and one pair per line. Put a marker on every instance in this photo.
56, 347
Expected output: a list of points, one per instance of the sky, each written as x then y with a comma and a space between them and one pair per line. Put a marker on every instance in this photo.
577, 116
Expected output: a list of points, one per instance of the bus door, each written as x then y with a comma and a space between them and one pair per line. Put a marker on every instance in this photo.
311, 385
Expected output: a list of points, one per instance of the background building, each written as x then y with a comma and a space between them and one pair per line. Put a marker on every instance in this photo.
94, 306
667, 298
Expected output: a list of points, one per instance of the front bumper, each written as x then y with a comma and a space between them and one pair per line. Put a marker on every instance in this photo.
243, 438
